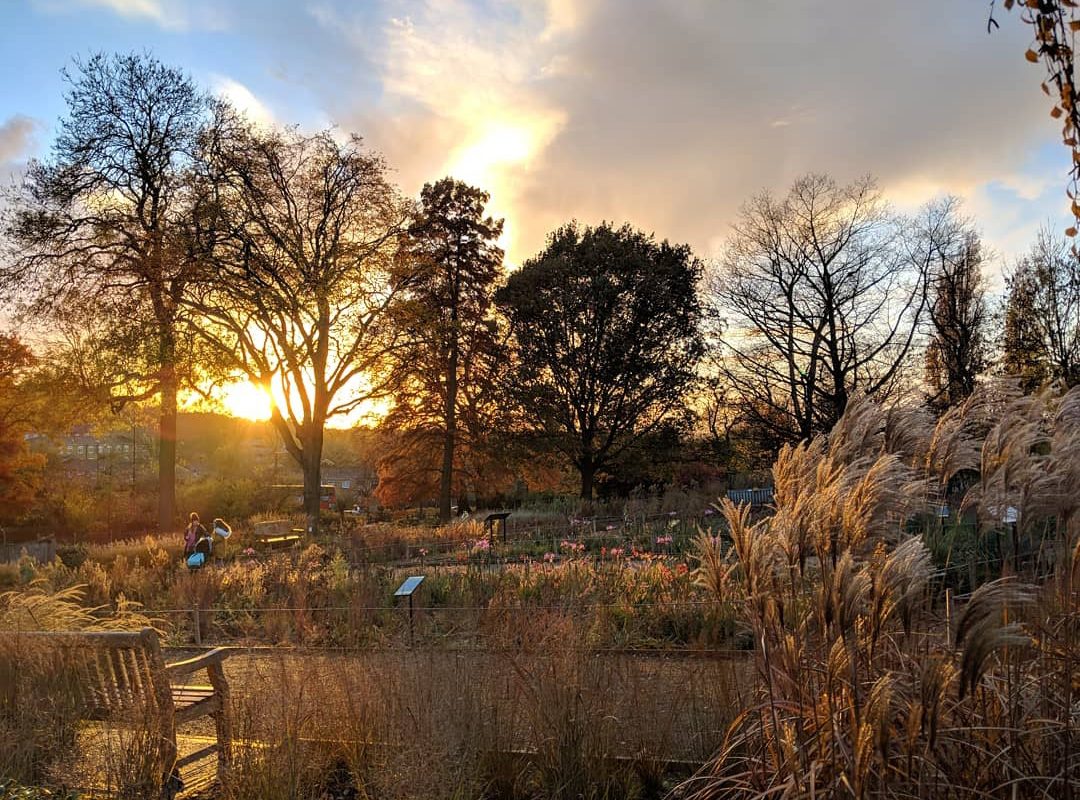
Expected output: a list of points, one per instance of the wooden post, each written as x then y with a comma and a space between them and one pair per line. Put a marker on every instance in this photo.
222, 719
198, 625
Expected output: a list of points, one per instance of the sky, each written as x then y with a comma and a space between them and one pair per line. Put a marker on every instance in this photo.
666, 115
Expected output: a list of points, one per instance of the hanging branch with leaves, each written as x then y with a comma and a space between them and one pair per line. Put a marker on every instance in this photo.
1055, 25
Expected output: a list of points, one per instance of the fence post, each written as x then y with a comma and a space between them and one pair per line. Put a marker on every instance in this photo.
198, 625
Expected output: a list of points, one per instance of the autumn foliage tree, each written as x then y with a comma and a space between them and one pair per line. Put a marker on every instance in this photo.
958, 350
606, 339
101, 225
20, 470
1041, 336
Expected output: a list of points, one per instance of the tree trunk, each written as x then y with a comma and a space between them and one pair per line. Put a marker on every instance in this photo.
588, 476
312, 466
446, 478
167, 435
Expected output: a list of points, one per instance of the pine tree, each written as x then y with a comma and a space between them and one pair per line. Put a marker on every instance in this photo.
447, 369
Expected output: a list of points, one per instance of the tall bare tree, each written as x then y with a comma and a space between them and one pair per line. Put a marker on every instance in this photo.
304, 273
958, 350
821, 293
102, 224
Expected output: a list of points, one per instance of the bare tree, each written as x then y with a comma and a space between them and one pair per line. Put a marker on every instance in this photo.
305, 274
821, 293
1042, 314
102, 225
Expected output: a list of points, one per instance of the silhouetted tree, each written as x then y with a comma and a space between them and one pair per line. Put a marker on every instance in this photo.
958, 349
605, 327
1041, 337
822, 292
446, 370
299, 290
102, 224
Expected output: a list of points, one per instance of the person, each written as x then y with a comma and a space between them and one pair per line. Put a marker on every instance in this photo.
192, 533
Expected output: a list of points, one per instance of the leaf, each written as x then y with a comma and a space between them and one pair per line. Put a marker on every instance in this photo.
1070, 232
1074, 25
1056, 112
1032, 56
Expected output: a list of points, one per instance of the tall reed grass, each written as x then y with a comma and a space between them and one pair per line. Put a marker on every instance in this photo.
867, 684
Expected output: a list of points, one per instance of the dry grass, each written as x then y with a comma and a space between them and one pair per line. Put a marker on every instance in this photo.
860, 690
549, 719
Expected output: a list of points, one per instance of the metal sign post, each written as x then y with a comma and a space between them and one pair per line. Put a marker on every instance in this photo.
407, 589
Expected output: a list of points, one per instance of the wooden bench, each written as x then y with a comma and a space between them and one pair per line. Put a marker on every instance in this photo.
123, 674
276, 533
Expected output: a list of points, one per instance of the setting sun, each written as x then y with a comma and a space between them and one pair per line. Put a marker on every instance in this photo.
246, 400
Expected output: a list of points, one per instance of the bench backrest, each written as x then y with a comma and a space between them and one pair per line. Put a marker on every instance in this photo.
274, 527
118, 672
752, 497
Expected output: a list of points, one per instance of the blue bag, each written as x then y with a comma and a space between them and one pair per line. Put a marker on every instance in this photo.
196, 560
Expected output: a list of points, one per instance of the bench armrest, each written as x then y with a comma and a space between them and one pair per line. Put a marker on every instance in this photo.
178, 669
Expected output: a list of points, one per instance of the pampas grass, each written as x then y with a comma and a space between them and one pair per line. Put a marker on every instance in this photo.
860, 692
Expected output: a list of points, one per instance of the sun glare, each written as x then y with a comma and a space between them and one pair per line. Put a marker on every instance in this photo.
246, 400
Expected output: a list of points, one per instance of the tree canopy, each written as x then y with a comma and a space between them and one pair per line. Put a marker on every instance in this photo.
102, 225
821, 292
444, 394
301, 279
605, 325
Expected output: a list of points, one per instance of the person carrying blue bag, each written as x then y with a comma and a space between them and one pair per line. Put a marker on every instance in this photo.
204, 545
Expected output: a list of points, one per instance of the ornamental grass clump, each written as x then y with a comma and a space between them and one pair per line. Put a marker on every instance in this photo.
870, 682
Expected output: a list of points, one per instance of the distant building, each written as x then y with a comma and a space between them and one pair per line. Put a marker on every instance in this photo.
355, 479
83, 452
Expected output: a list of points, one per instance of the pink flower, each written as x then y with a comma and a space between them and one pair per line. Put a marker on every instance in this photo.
249, 551
549, 558
423, 551
610, 528
615, 552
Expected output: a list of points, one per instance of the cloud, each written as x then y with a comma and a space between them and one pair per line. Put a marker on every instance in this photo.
242, 99
17, 135
455, 82
670, 115
176, 15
